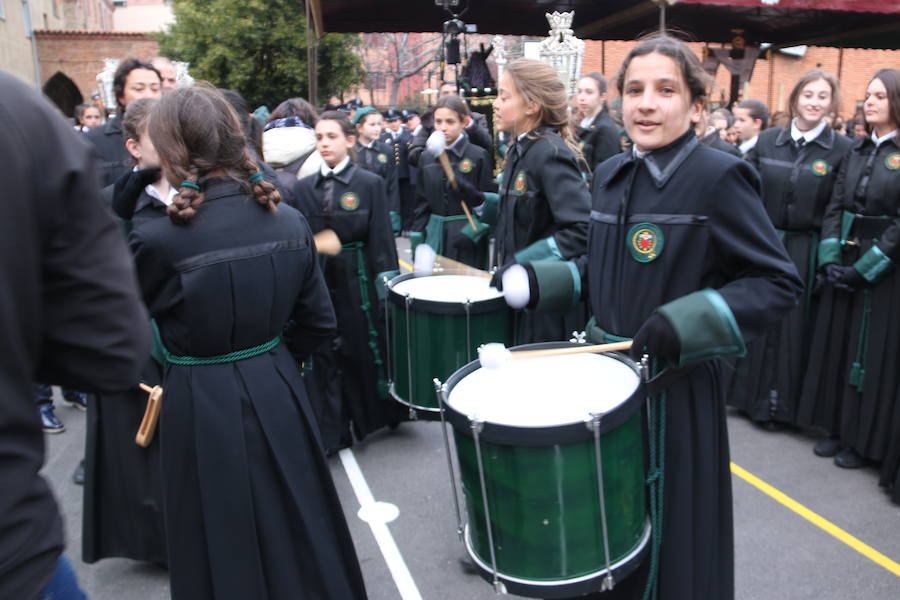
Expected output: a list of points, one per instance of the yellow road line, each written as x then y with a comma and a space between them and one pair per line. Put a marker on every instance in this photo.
817, 520
405, 265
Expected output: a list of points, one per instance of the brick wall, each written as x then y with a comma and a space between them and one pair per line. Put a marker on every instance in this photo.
854, 66
79, 54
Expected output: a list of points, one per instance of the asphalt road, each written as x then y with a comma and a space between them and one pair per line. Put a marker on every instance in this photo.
779, 554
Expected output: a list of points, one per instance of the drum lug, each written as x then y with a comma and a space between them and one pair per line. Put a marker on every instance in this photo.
579, 337
608, 583
645, 367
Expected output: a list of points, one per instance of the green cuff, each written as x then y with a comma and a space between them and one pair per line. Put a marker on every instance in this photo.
872, 264
490, 209
381, 284
829, 251
705, 326
396, 222
475, 235
545, 249
558, 284
415, 238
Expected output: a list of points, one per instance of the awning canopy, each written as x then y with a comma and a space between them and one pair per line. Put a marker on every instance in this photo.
849, 23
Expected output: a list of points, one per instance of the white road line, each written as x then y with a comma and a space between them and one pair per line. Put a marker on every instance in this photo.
405, 584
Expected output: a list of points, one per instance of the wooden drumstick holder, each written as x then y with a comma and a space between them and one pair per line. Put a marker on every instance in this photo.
151, 415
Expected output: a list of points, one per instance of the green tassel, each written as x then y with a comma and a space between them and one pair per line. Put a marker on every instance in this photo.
855, 375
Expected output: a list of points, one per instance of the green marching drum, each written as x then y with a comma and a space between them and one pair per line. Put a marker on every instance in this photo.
437, 323
551, 460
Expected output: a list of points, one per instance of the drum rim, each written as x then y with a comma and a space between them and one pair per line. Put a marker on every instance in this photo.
563, 587
476, 307
566, 433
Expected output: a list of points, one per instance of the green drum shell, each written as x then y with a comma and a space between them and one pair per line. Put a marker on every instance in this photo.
544, 505
438, 342
543, 496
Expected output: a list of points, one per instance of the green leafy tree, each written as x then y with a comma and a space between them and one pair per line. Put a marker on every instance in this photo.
258, 47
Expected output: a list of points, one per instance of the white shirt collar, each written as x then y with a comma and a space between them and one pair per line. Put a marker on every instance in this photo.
747, 146
369, 145
339, 168
880, 140
810, 135
638, 153
457, 142
154, 193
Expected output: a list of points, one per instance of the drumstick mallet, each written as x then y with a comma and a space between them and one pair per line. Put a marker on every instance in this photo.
151, 415
494, 356
437, 145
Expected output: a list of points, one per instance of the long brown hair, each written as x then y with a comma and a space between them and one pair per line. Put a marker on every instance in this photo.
539, 83
196, 131
891, 80
805, 80
134, 123
347, 128
454, 103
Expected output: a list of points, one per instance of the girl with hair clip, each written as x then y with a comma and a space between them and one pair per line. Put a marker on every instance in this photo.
349, 377
438, 206
597, 133
544, 202
233, 282
798, 165
852, 388
123, 497
682, 259
375, 156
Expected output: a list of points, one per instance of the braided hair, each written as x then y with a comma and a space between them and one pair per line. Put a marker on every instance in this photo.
196, 132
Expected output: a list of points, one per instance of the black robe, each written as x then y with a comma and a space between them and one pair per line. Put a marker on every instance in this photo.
730, 247
250, 507
71, 315
378, 159
123, 497
600, 140
864, 413
544, 207
797, 184
346, 383
469, 162
109, 149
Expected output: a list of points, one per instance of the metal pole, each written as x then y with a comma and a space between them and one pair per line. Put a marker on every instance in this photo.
662, 18
26, 14
310, 55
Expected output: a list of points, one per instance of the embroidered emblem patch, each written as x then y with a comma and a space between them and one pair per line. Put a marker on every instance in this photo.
520, 186
466, 165
820, 167
382, 158
645, 242
892, 162
349, 201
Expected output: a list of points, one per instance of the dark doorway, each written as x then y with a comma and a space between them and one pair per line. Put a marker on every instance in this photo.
64, 93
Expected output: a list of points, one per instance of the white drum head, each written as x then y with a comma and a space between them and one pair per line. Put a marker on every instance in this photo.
545, 392
448, 288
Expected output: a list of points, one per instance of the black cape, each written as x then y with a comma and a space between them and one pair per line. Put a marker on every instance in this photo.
542, 195
600, 140
250, 507
728, 247
109, 149
347, 386
797, 184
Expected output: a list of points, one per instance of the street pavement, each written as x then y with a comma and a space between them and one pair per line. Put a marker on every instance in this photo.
779, 554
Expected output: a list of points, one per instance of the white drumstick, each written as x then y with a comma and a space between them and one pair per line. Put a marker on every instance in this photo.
494, 356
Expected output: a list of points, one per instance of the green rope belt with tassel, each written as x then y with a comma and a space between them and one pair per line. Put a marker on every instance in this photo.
366, 307
221, 358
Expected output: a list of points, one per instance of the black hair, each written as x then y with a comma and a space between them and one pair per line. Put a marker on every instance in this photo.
695, 77
757, 109
125, 67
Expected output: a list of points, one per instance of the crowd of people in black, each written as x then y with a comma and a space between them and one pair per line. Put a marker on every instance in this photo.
772, 286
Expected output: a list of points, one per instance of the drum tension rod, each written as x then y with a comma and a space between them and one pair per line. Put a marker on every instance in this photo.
594, 426
439, 390
477, 427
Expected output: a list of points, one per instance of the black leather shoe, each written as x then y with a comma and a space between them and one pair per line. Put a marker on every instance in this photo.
78, 475
773, 426
827, 447
848, 458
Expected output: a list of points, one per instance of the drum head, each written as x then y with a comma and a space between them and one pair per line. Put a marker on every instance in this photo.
545, 392
447, 288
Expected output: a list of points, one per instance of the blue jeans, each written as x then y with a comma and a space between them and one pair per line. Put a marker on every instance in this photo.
43, 394
64, 585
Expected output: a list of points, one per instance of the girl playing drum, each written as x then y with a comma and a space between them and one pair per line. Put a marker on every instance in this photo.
348, 379
438, 205
683, 259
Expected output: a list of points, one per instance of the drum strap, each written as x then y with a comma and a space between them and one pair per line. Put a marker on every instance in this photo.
366, 306
656, 481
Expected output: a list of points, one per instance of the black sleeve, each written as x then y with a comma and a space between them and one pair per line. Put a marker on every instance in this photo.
380, 247
95, 332
481, 137
313, 323
486, 181
421, 211
569, 201
606, 145
417, 145
831, 222
763, 283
